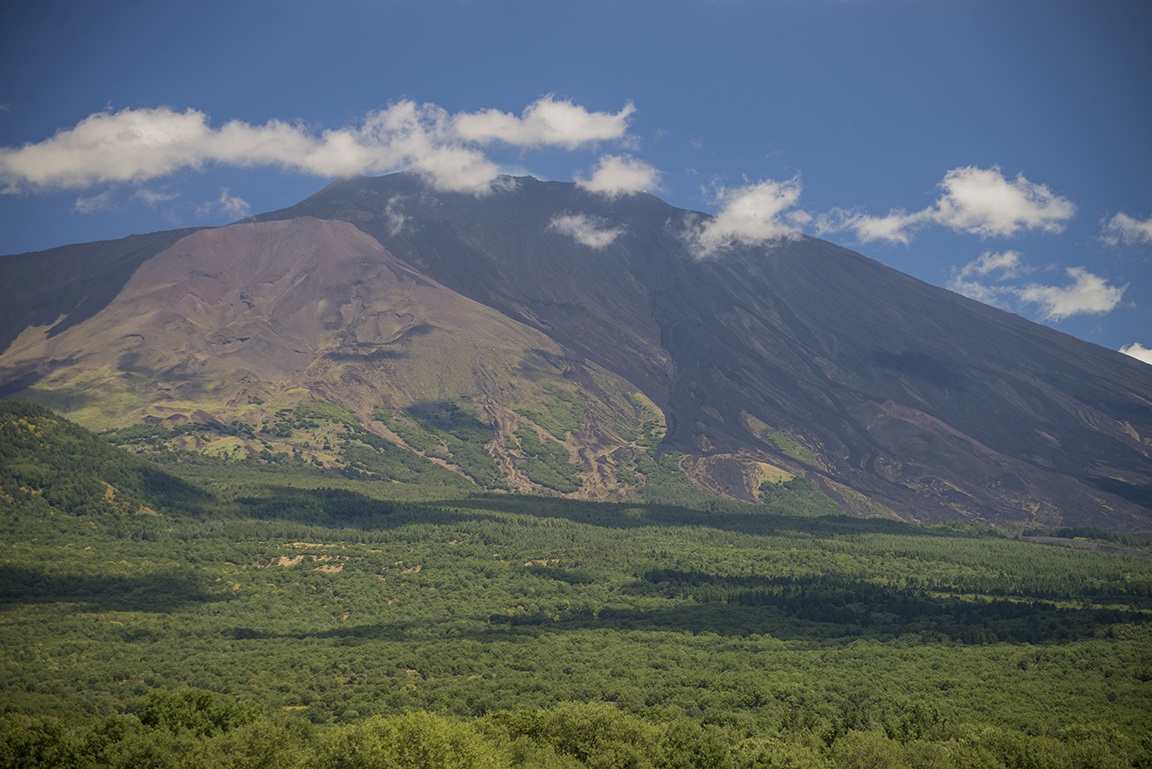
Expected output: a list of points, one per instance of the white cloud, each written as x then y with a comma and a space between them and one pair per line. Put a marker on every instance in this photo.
589, 230
615, 176
135, 145
90, 205
983, 280
757, 213
230, 205
1139, 352
982, 202
1131, 231
1088, 294
545, 121
978, 201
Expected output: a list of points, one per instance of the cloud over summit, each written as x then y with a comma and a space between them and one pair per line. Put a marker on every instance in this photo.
136, 145
451, 153
749, 215
615, 176
544, 122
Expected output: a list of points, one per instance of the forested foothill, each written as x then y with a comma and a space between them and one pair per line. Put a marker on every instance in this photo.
220, 615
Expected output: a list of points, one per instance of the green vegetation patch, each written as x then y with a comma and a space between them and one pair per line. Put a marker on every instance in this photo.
449, 432
368, 455
559, 420
559, 411
665, 483
796, 493
334, 412
197, 728
652, 425
548, 463
792, 448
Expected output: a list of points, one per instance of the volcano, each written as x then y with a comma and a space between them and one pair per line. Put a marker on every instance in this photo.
543, 338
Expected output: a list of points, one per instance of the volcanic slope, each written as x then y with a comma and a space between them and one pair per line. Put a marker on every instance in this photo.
272, 326
832, 364
795, 358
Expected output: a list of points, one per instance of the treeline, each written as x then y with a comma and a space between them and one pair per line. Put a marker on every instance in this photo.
1090, 534
195, 728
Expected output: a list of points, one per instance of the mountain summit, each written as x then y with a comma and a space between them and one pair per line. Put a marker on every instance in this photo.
544, 337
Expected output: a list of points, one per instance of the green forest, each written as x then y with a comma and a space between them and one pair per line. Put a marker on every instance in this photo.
232, 614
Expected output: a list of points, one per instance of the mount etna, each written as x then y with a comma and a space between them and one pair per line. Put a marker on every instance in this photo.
543, 338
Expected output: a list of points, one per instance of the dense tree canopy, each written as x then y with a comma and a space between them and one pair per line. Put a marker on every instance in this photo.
236, 618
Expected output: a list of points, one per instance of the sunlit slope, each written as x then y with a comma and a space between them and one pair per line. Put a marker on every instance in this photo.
244, 326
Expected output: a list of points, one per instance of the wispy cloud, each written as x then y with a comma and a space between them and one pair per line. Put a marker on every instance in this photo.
977, 279
135, 145
615, 176
1123, 228
592, 231
1138, 351
1007, 263
749, 215
230, 205
898, 226
94, 203
152, 198
977, 201
395, 218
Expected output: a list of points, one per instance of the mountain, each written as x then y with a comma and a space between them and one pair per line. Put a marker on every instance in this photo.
383, 328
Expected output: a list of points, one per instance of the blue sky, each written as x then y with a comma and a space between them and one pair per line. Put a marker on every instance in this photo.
997, 148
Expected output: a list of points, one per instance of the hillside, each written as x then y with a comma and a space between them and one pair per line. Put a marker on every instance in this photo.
383, 330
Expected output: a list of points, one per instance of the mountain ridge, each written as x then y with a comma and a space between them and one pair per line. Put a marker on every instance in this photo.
797, 358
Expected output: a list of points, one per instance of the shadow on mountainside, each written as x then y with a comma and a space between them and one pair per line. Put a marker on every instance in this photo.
163, 591
804, 620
